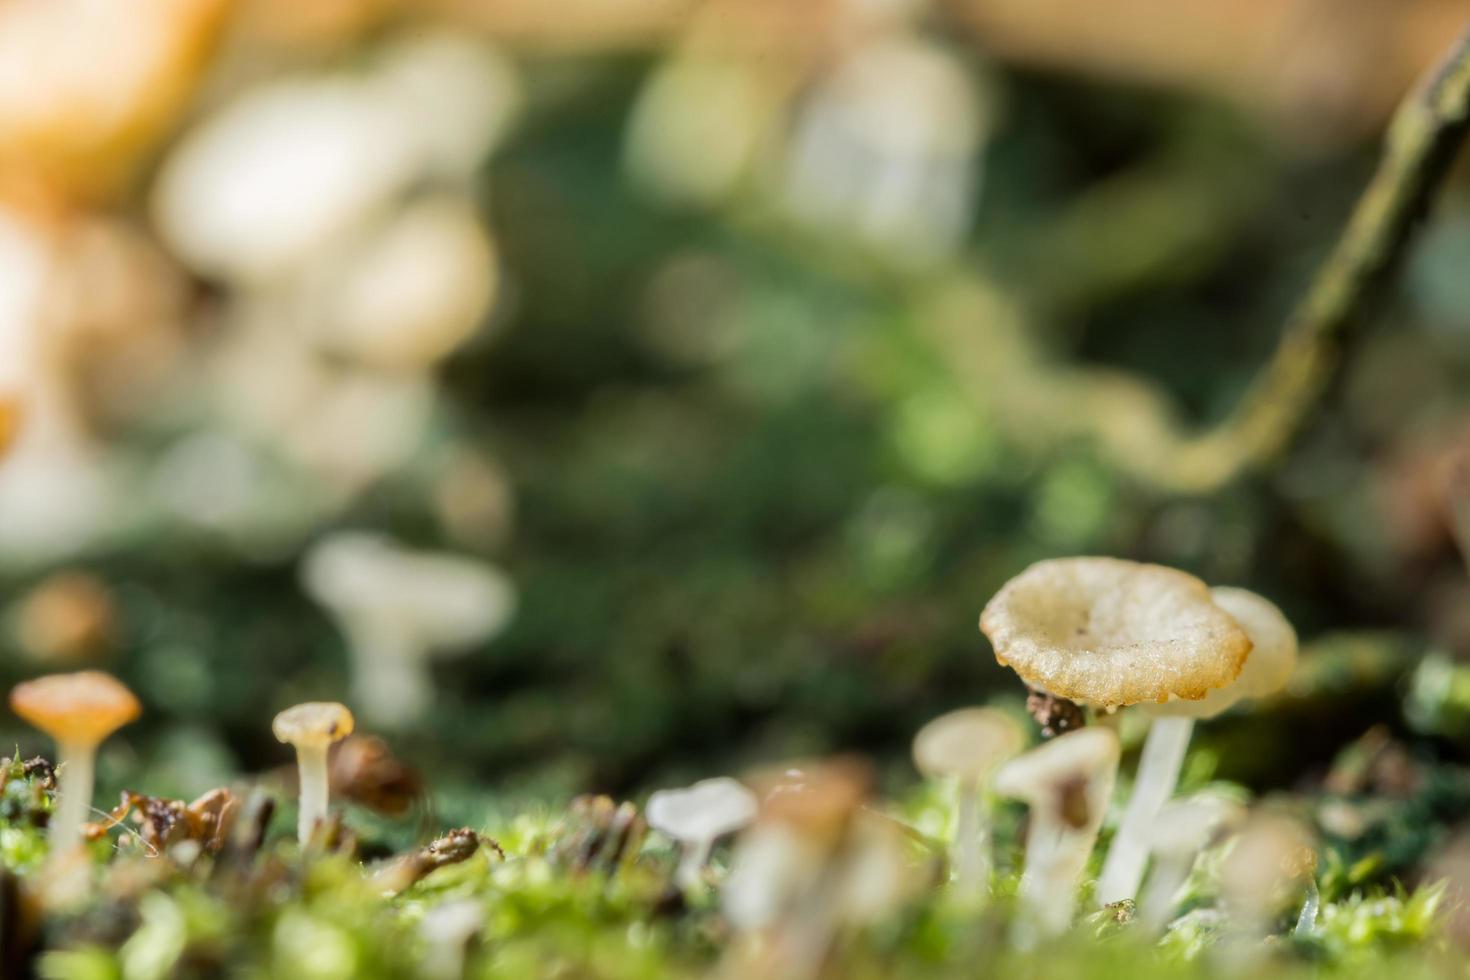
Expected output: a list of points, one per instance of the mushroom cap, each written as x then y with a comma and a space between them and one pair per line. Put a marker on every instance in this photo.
444, 599
1068, 757
1109, 632
710, 808
84, 707
313, 723
968, 743
1267, 668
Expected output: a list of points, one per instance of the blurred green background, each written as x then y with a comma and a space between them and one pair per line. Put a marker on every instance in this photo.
763, 471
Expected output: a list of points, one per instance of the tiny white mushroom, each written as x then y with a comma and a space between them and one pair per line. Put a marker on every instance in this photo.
1267, 669
1066, 783
967, 745
396, 608
698, 816
311, 728
1182, 830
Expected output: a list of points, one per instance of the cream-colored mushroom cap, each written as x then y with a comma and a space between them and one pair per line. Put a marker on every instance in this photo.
84, 707
313, 723
1109, 632
1038, 773
1267, 668
968, 743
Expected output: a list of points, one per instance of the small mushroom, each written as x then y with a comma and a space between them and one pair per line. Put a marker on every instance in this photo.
697, 816
1271, 862
397, 607
1181, 831
967, 745
1066, 782
311, 728
1267, 669
78, 711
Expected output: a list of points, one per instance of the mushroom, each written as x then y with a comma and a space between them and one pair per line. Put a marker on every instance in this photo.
1267, 669
1269, 864
1066, 782
967, 745
697, 816
396, 607
78, 711
311, 728
1107, 633
1181, 831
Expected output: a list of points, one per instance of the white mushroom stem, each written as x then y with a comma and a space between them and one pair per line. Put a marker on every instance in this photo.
1056, 856
1169, 875
390, 676
969, 854
1158, 775
692, 859
74, 793
311, 762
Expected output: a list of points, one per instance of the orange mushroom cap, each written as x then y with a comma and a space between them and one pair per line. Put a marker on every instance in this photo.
83, 707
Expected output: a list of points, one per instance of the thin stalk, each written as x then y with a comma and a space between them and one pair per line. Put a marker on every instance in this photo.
311, 762
692, 860
969, 855
74, 794
1158, 774
1163, 885
390, 680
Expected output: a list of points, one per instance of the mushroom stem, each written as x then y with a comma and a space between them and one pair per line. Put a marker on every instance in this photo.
1158, 774
969, 857
691, 862
1168, 877
311, 762
74, 794
1055, 858
390, 681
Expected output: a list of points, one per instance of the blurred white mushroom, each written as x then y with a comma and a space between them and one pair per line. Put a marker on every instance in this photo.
413, 289
698, 816
1267, 669
447, 930
455, 93
1066, 783
815, 862
887, 147
1181, 831
279, 174
397, 608
1267, 867
294, 167
967, 745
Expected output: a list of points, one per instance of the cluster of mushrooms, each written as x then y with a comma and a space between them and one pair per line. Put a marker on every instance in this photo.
814, 856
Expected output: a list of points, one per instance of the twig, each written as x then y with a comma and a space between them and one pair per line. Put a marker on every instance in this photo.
1422, 143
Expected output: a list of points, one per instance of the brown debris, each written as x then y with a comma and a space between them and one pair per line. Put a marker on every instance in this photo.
452, 848
162, 823
1055, 715
1376, 763
364, 770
